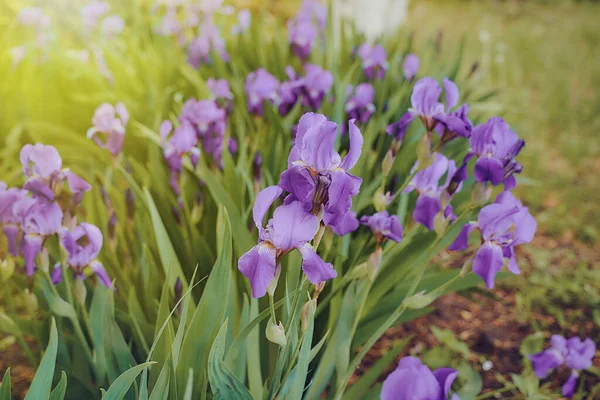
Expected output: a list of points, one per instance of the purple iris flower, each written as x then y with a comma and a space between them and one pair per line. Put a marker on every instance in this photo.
413, 380
427, 185
384, 225
313, 10
496, 147
317, 175
112, 25
289, 93
110, 122
503, 225
359, 103
374, 61
316, 84
302, 36
573, 353
260, 87
8, 220
209, 122
291, 227
91, 13
39, 218
83, 243
209, 40
221, 93
426, 106
410, 67
244, 19
181, 142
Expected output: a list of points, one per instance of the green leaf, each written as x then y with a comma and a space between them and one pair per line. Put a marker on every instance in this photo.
58, 306
8, 326
5, 386
472, 384
161, 388
304, 356
58, 393
223, 382
212, 307
121, 385
97, 310
42, 381
189, 386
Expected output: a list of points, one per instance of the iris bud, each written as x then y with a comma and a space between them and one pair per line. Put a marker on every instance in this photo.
276, 333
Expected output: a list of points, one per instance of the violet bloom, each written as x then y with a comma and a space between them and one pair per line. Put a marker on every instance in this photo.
302, 36
180, 143
244, 19
503, 225
39, 219
83, 244
33, 16
260, 87
291, 227
495, 145
317, 175
374, 61
112, 25
384, 225
209, 40
289, 93
209, 122
221, 93
412, 380
313, 10
92, 12
9, 221
109, 124
410, 67
316, 84
427, 185
573, 353
359, 105
426, 106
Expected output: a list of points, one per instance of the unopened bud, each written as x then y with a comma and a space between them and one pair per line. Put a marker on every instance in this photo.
444, 200
257, 167
79, 289
380, 200
176, 214
112, 226
7, 269
130, 202
273, 284
387, 163
467, 266
30, 301
318, 289
480, 194
105, 197
306, 313
396, 145
44, 260
197, 209
276, 333
440, 223
424, 156
374, 263
419, 300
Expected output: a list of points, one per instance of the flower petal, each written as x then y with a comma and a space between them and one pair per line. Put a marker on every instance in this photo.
488, 261
462, 240
356, 144
489, 169
258, 265
263, 202
298, 181
293, 226
451, 91
315, 269
426, 209
445, 377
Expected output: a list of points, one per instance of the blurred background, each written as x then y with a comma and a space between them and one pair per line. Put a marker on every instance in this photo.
541, 62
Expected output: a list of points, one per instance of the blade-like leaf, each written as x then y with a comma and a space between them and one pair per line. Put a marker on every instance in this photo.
58, 393
5, 386
42, 381
121, 385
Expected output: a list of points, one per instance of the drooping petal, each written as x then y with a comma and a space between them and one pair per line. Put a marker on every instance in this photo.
411, 380
39, 188
258, 265
489, 169
509, 253
445, 377
298, 181
263, 202
11, 232
488, 261
78, 186
462, 240
313, 266
568, 389
56, 275
398, 129
32, 246
426, 209
293, 226
101, 273
451, 91
346, 224
356, 144
343, 187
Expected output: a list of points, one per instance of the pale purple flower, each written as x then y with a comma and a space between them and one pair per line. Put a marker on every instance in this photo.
260, 87
503, 225
427, 184
313, 10
92, 12
291, 227
573, 353
82, 243
359, 103
170, 25
414, 381
244, 19
316, 84
209, 40
38, 219
495, 145
302, 36
108, 130
112, 25
221, 93
426, 106
33, 16
78, 186
384, 225
209, 122
40, 160
176, 145
373, 59
411, 65
317, 175
9, 221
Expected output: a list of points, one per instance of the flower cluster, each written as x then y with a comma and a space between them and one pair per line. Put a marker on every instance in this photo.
413, 380
42, 208
304, 30
572, 353
320, 191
